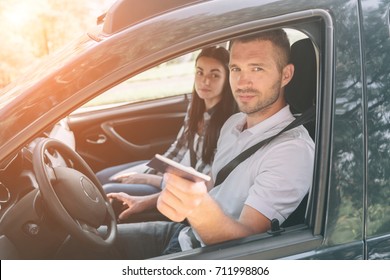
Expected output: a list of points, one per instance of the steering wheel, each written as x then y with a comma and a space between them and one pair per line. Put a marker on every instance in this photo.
73, 194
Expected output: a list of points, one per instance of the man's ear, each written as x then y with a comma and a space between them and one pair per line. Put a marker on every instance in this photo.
287, 74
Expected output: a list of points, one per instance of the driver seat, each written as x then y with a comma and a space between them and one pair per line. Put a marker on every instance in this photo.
300, 94
301, 91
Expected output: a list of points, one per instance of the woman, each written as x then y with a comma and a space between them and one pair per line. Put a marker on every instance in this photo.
212, 103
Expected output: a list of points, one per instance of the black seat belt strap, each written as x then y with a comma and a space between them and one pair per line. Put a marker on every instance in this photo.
306, 117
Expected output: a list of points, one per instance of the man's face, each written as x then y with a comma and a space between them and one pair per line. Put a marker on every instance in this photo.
255, 78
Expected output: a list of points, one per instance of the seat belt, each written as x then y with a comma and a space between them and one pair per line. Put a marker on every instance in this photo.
306, 117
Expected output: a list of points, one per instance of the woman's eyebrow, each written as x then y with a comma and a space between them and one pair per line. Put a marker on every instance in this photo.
212, 70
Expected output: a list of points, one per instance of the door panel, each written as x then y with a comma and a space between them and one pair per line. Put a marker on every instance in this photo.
128, 133
158, 135
376, 26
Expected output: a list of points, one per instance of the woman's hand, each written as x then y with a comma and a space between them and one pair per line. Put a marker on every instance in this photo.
133, 204
139, 178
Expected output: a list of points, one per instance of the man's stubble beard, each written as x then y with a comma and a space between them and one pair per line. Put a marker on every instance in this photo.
261, 105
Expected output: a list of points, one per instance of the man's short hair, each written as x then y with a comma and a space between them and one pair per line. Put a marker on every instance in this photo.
278, 37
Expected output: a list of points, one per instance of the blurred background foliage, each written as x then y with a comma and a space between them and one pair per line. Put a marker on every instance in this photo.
31, 30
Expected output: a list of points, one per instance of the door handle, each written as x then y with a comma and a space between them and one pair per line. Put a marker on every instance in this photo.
101, 139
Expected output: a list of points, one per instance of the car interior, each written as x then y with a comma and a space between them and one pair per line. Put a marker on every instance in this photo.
301, 96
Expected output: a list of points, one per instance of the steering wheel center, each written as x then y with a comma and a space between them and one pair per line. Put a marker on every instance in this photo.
89, 189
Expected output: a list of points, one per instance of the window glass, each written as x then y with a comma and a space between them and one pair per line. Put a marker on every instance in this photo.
294, 35
170, 78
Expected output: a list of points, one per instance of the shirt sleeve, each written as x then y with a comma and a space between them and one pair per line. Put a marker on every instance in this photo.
178, 148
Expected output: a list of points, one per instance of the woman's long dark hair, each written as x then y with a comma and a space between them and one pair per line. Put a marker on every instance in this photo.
221, 112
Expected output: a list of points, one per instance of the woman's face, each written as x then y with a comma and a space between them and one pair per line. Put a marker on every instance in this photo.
209, 80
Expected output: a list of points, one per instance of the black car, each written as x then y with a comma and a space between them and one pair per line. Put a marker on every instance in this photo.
92, 97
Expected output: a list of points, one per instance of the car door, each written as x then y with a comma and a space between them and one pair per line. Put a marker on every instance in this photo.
376, 28
137, 118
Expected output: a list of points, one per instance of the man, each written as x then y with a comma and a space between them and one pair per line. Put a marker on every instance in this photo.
269, 184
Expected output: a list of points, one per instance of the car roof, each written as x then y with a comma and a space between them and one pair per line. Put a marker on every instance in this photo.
128, 12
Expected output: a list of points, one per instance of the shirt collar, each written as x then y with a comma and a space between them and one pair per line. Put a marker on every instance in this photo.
275, 121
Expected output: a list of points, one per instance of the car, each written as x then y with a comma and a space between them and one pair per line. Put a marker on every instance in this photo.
50, 121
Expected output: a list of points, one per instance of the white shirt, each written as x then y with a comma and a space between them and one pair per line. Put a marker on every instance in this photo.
274, 179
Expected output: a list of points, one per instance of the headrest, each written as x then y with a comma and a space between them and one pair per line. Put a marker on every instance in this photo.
300, 92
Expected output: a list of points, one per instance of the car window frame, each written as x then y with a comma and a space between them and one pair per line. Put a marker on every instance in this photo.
299, 238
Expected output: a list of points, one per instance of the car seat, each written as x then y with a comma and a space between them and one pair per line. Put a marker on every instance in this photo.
301, 92
301, 96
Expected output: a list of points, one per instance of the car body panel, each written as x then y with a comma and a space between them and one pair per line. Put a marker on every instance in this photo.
376, 24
